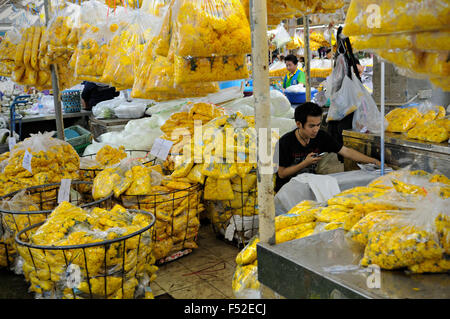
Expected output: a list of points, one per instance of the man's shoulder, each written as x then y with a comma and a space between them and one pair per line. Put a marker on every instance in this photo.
323, 135
288, 136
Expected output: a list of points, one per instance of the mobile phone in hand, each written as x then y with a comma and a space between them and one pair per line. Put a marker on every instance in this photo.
320, 155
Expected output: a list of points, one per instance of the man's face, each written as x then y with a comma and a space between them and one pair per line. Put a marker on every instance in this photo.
291, 67
311, 127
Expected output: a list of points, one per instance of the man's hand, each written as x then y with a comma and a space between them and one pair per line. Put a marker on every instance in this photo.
357, 156
311, 159
284, 172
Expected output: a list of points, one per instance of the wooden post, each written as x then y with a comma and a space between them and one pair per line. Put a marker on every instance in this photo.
55, 87
258, 14
307, 55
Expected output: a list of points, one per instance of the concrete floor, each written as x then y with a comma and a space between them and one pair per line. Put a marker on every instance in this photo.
13, 286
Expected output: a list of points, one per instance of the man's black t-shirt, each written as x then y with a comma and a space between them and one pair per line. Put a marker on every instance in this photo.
94, 94
292, 152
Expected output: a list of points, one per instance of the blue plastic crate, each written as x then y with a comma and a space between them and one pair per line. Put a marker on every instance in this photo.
297, 98
228, 84
71, 100
76, 135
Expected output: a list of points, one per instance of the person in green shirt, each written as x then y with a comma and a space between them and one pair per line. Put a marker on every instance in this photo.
295, 75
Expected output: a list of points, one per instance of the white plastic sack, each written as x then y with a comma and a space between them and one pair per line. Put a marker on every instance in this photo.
131, 110
283, 125
305, 187
106, 109
279, 103
137, 134
298, 88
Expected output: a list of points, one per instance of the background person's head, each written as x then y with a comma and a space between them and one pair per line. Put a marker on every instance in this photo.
329, 54
291, 63
308, 118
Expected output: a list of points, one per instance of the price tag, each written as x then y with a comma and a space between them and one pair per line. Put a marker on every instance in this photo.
26, 163
73, 276
64, 190
229, 232
11, 143
161, 148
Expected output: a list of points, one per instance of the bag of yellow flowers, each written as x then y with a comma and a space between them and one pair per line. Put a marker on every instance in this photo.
160, 82
81, 254
206, 28
63, 33
92, 52
126, 48
48, 160
414, 239
408, 16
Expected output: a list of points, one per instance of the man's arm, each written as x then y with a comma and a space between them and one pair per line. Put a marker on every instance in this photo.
284, 172
357, 156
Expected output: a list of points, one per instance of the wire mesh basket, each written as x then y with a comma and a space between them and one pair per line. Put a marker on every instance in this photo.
89, 174
177, 220
31, 205
236, 220
118, 268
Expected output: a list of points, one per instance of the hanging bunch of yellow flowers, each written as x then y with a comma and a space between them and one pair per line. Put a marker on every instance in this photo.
204, 28
91, 54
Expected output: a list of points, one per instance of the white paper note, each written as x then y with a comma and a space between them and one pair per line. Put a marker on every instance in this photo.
161, 148
26, 163
64, 190
11, 143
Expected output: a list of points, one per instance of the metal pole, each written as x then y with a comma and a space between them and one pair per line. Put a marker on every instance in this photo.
55, 87
258, 18
382, 119
307, 58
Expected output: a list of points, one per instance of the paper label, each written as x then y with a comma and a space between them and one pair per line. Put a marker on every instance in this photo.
229, 233
73, 276
161, 148
26, 163
64, 190
11, 143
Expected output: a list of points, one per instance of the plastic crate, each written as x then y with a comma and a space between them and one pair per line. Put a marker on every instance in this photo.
84, 136
71, 100
297, 98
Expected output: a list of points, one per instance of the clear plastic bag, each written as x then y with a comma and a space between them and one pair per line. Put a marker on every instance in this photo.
92, 52
126, 48
345, 101
160, 84
367, 116
407, 239
282, 37
430, 132
63, 33
402, 119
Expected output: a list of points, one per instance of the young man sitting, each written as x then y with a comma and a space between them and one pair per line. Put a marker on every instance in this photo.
298, 151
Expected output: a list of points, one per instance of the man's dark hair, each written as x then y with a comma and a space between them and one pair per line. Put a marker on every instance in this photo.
306, 109
292, 58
